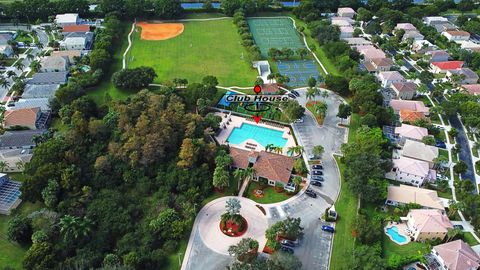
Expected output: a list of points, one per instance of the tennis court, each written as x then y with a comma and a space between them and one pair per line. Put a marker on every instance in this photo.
274, 33
299, 71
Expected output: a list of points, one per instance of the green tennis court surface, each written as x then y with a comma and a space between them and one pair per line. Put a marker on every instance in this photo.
274, 33
298, 71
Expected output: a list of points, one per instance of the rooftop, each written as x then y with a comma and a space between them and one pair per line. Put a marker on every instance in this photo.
411, 166
49, 78
419, 150
430, 220
54, 62
21, 117
473, 89
76, 28
410, 131
448, 65
458, 33
39, 91
410, 116
412, 105
20, 138
465, 72
390, 76
382, 62
404, 87
408, 194
458, 255
405, 26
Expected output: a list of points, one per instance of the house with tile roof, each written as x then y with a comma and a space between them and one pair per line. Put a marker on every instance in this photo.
270, 88
24, 103
405, 26
378, 64
15, 158
274, 169
33, 91
409, 132
411, 171
420, 151
357, 41
71, 54
403, 194
411, 105
369, 52
407, 116
19, 139
455, 255
404, 90
22, 118
346, 12
54, 64
80, 28
456, 35
443, 67
387, 78
462, 76
414, 35
434, 20
423, 46
469, 45
340, 23
438, 56
428, 224
50, 78
337, 18
346, 31
472, 89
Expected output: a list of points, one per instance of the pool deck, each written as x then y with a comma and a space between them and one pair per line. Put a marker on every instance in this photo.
237, 121
402, 230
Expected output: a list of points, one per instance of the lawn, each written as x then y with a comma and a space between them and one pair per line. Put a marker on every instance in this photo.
204, 48
447, 194
389, 248
11, 253
24, 37
343, 241
443, 153
175, 260
269, 194
469, 239
232, 190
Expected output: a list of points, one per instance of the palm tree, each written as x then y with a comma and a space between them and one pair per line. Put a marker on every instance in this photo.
19, 65
451, 233
72, 226
310, 93
297, 180
298, 150
35, 66
39, 45
239, 175
4, 83
3, 166
269, 147
30, 56
278, 149
11, 74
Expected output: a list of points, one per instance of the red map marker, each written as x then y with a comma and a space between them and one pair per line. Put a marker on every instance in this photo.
257, 118
257, 89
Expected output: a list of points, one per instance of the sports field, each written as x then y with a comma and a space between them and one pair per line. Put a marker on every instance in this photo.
274, 33
204, 48
298, 71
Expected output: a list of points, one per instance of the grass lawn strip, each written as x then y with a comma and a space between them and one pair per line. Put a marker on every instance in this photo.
269, 194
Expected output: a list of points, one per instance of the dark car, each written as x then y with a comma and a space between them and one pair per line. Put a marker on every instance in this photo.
295, 93
317, 178
317, 167
440, 144
317, 173
287, 243
460, 227
316, 183
328, 228
287, 249
311, 193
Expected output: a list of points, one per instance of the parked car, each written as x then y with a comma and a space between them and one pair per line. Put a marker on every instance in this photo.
316, 183
317, 167
458, 226
317, 178
287, 243
286, 249
317, 172
300, 120
440, 144
328, 228
295, 93
311, 193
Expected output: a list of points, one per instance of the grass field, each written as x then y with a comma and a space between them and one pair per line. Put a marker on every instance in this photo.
270, 195
204, 48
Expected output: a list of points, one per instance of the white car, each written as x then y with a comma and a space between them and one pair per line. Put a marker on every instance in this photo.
299, 120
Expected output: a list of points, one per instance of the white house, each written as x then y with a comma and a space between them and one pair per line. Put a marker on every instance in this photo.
404, 90
456, 35
411, 171
388, 77
420, 151
77, 41
7, 50
67, 19
346, 12
466, 75
434, 20
423, 46
346, 31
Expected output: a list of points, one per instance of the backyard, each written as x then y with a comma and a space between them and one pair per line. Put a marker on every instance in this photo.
269, 193
192, 55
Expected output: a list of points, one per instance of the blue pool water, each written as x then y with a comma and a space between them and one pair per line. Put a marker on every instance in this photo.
262, 135
223, 101
393, 232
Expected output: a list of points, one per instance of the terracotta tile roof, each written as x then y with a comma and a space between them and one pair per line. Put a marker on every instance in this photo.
448, 65
270, 88
410, 116
382, 62
473, 89
458, 33
458, 255
21, 117
268, 165
76, 28
430, 220
412, 105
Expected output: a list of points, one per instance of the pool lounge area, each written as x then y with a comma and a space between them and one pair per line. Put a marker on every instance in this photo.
248, 135
397, 233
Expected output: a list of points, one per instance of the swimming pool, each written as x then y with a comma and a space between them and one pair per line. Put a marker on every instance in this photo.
262, 135
395, 236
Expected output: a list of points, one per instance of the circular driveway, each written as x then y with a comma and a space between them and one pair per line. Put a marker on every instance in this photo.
208, 221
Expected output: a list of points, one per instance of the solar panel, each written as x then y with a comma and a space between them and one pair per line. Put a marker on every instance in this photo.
9, 194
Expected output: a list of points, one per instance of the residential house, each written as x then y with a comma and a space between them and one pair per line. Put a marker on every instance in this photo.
443, 67
274, 169
67, 19
428, 224
456, 35
357, 41
28, 118
438, 56
34, 91
455, 255
388, 77
409, 132
48, 78
472, 89
370, 52
404, 90
23, 139
42, 103
5, 37
77, 41
406, 27
434, 20
346, 31
411, 171
71, 54
420, 151
340, 22
349, 20
411, 105
403, 194
378, 64
16, 158
414, 35
7, 50
408, 116
446, 26
469, 45
346, 12
423, 46
462, 76
80, 28
54, 64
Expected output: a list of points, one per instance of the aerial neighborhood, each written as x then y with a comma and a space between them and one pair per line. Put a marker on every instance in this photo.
237, 134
